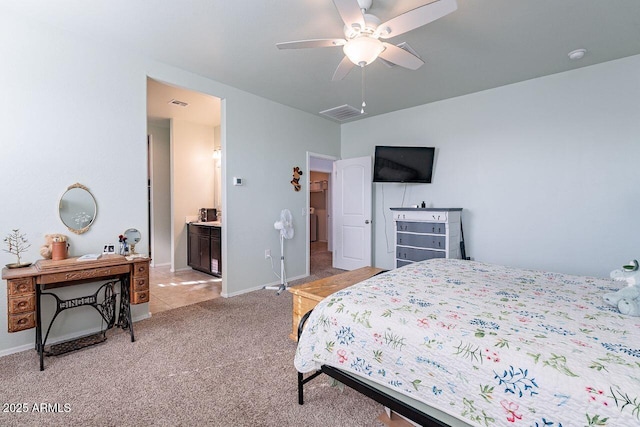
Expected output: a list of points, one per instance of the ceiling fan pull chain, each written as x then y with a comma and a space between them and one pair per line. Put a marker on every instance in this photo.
364, 104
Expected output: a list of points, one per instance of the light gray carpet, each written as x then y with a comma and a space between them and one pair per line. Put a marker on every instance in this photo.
224, 362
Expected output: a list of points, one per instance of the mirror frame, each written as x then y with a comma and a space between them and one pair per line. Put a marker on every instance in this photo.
95, 206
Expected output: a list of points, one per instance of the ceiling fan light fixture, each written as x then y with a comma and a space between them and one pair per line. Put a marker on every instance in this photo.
577, 54
363, 50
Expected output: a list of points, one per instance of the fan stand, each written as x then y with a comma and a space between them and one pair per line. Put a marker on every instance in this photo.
283, 280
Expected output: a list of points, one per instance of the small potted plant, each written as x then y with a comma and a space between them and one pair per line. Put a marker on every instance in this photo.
17, 244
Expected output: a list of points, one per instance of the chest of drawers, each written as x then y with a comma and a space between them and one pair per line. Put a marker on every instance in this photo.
426, 233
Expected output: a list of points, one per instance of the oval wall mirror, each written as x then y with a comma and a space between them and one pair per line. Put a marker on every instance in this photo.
77, 208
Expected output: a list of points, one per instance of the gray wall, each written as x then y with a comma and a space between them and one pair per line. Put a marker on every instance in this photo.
546, 170
82, 118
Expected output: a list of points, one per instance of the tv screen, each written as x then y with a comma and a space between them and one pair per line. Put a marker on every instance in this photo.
403, 164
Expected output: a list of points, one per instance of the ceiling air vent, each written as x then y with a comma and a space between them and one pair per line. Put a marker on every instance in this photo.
178, 103
342, 113
404, 46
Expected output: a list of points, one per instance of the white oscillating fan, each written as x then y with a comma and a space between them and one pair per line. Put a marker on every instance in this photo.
285, 227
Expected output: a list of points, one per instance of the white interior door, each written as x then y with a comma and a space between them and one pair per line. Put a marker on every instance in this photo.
352, 213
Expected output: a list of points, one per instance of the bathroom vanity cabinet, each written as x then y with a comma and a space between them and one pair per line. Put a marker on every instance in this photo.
204, 247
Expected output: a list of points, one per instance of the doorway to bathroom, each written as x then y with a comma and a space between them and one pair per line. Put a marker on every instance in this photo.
185, 174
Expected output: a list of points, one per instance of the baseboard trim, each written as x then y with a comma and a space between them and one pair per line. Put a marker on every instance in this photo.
257, 288
164, 264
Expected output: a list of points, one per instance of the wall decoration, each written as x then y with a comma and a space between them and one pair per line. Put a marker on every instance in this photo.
296, 178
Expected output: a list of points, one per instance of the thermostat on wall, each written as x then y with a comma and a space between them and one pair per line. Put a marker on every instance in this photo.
237, 181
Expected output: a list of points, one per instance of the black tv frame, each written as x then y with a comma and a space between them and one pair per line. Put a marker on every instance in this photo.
413, 169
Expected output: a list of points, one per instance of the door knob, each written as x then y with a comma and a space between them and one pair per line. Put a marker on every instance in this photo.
366, 221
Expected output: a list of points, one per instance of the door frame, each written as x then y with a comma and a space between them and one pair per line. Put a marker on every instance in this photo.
307, 180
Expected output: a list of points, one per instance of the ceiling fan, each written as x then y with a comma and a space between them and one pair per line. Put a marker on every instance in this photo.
363, 31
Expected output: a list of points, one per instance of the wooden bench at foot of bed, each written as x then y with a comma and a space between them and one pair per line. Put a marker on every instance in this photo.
308, 295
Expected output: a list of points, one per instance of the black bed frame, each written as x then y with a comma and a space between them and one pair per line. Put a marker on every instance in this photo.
349, 380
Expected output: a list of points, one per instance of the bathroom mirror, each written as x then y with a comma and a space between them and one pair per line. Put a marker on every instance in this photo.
133, 237
77, 208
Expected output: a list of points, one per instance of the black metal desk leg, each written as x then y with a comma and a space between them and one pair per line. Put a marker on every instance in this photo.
124, 314
39, 346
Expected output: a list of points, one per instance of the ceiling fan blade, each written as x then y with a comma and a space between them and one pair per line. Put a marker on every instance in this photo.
343, 69
400, 57
302, 44
416, 18
350, 12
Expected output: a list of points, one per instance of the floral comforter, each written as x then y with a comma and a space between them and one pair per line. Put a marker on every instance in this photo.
490, 345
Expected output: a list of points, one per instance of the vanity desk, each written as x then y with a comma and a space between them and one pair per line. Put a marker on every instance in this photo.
25, 288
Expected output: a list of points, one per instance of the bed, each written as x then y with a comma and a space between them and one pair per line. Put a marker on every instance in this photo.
481, 345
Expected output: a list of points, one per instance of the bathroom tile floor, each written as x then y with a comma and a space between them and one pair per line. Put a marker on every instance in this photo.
172, 290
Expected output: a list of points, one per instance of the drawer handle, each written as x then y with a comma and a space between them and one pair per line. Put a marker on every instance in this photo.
22, 321
140, 269
22, 287
22, 304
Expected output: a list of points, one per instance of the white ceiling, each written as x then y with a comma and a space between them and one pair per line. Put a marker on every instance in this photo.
484, 44
200, 109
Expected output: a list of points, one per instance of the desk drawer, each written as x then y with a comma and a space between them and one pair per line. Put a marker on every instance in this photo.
22, 304
141, 269
140, 284
140, 297
21, 286
20, 322
99, 273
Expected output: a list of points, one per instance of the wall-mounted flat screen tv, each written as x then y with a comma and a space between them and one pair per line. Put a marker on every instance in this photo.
403, 164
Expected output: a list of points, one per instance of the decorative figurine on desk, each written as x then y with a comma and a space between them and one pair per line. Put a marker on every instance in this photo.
17, 244
46, 250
